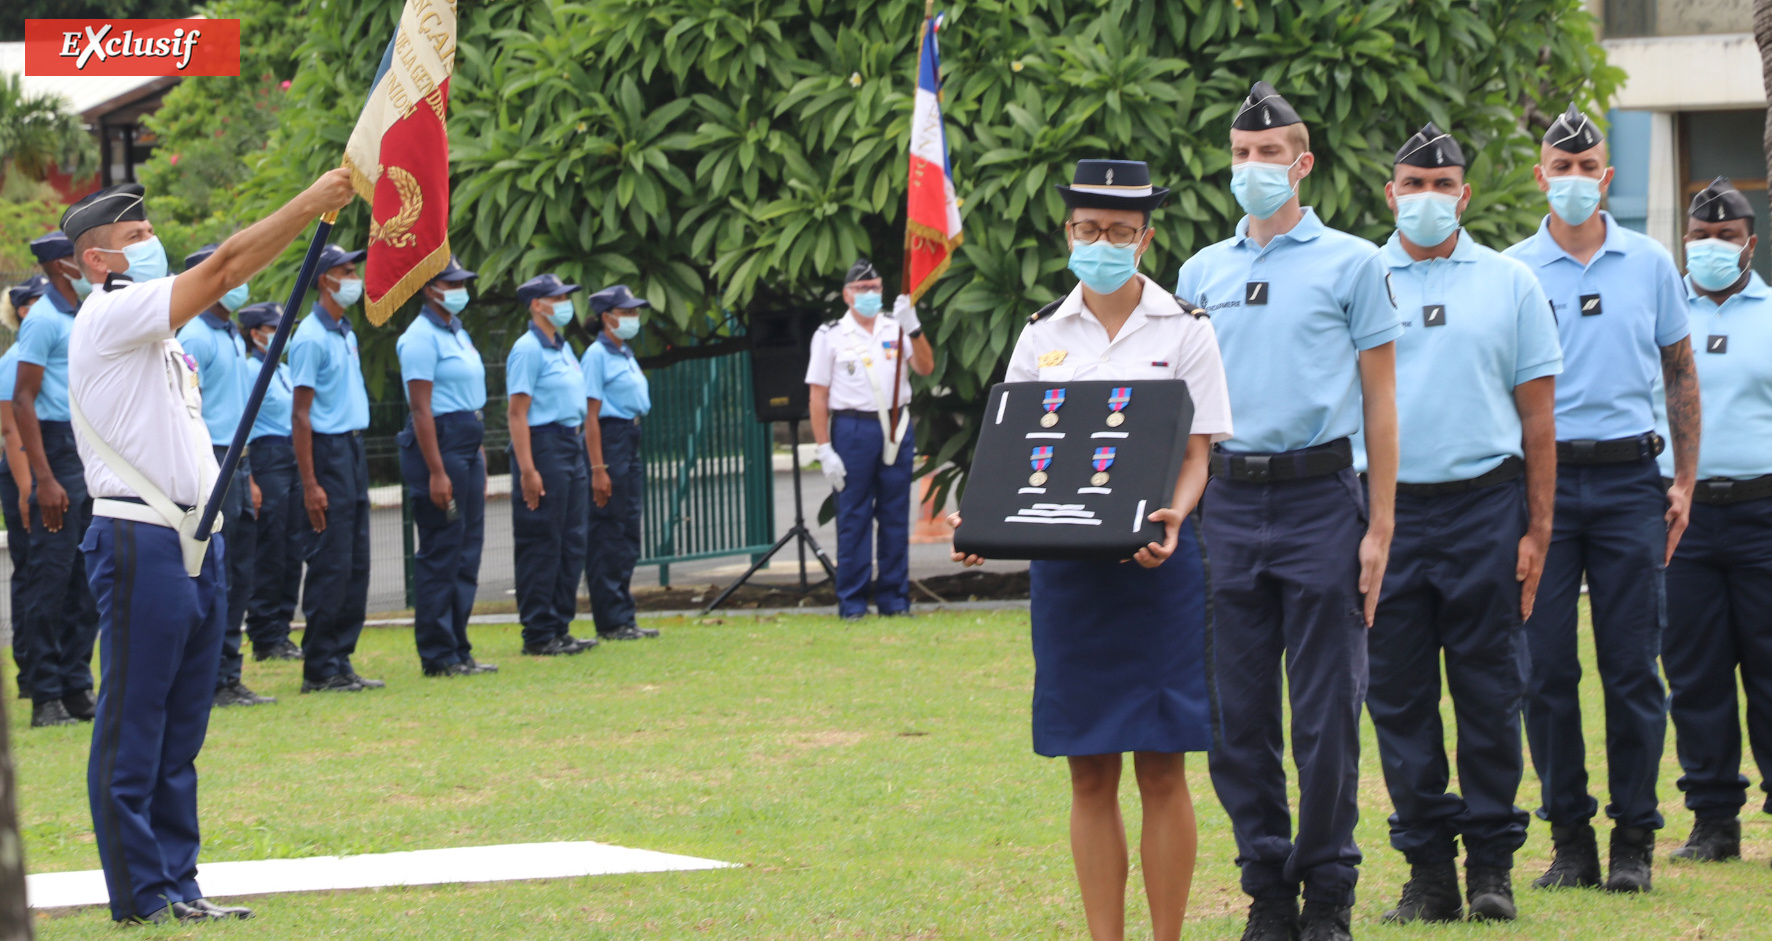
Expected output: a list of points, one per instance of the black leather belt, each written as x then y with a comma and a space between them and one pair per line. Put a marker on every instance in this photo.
1722, 491
262, 440
140, 502
1616, 451
472, 414
221, 451
1320, 461
1507, 470
554, 428
857, 413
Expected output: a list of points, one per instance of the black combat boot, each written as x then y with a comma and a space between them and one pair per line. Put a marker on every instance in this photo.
1324, 922
1713, 839
1272, 919
1577, 863
1491, 893
1431, 894
1633, 849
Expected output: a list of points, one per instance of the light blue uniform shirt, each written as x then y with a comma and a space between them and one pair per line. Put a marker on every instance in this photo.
1291, 357
1476, 325
8, 372
274, 414
549, 374
613, 377
223, 372
65, 305
43, 341
1614, 314
323, 357
436, 349
1735, 385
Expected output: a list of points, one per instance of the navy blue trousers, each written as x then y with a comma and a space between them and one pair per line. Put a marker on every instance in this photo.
18, 547
1609, 525
613, 545
241, 531
1450, 590
335, 596
1285, 572
550, 539
279, 537
59, 605
875, 502
160, 641
1719, 621
446, 565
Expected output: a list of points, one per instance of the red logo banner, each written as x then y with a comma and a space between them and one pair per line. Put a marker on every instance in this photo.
132, 47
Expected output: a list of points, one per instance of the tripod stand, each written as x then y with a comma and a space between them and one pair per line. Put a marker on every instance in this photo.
798, 532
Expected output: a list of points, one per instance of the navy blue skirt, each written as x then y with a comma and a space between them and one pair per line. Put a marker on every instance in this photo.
1122, 656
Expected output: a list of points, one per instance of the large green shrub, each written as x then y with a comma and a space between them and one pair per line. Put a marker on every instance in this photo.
723, 156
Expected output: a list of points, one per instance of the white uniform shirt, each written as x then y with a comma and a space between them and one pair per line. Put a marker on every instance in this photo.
1158, 341
843, 354
139, 389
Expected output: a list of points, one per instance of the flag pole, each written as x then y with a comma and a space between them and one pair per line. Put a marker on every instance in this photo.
273, 353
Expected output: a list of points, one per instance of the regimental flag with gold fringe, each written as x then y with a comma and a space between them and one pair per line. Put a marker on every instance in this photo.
399, 158
932, 217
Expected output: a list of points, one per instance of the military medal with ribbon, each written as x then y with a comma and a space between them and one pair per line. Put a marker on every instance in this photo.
1117, 401
1040, 460
1104, 459
1054, 401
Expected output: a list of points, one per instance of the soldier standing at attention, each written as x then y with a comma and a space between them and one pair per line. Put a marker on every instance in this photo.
328, 413
280, 540
1306, 324
224, 371
1621, 313
617, 396
62, 621
15, 483
1476, 485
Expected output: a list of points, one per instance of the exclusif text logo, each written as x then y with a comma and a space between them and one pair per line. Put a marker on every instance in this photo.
132, 47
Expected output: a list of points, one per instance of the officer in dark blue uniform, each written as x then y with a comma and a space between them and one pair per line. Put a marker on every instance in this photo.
15, 479
1719, 584
63, 621
617, 397
1306, 326
1476, 485
545, 388
1621, 314
279, 541
223, 368
330, 411
444, 467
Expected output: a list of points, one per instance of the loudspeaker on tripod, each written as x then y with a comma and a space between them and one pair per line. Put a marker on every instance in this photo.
781, 348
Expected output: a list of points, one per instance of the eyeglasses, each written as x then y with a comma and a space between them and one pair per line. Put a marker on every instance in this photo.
1119, 234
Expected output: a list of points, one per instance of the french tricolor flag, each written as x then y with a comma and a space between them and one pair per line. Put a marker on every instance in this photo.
932, 217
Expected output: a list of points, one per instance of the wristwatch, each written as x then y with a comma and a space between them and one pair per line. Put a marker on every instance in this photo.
915, 333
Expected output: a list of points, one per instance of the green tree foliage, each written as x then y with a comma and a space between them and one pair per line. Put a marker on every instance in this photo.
38, 134
723, 156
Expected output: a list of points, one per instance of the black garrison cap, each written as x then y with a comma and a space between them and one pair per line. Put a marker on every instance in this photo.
544, 285
1263, 109
1573, 132
120, 203
1430, 147
262, 314
1112, 184
1720, 202
862, 270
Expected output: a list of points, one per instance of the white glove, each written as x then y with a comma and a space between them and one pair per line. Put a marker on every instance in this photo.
832, 464
905, 313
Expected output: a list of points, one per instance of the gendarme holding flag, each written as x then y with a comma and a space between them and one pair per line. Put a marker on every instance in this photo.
162, 593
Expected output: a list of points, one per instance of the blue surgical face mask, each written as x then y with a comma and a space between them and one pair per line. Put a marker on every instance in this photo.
629, 327
1262, 188
350, 291
562, 314
1574, 198
77, 280
1714, 264
1103, 267
1427, 219
455, 300
235, 299
867, 304
147, 260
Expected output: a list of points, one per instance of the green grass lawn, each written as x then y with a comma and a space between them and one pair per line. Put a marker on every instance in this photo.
874, 779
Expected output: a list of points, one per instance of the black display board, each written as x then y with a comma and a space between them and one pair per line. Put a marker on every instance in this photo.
1072, 509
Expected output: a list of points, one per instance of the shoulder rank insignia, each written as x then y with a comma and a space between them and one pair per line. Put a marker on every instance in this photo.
1052, 358
1045, 312
1193, 309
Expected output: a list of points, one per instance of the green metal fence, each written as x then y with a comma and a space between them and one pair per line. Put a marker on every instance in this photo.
709, 480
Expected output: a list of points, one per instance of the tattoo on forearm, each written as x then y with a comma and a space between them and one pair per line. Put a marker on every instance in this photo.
1683, 415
